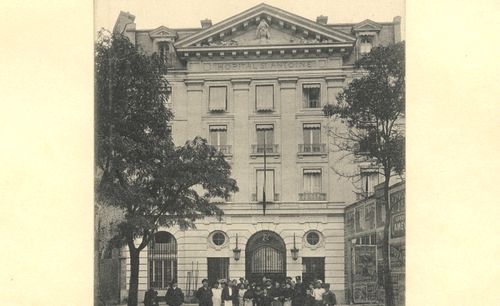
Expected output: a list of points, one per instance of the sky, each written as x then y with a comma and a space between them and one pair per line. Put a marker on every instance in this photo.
151, 14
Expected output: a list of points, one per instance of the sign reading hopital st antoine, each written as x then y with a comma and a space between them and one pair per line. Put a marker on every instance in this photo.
272, 65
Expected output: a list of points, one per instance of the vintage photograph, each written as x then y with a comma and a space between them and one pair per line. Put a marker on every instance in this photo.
249, 154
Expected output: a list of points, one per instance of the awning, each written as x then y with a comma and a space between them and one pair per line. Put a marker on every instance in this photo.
218, 128
265, 127
312, 126
311, 86
264, 97
312, 171
217, 98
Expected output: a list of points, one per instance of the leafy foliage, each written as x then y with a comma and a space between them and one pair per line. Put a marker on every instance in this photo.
143, 173
373, 106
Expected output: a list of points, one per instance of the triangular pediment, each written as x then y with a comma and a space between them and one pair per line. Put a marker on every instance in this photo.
367, 26
265, 25
162, 31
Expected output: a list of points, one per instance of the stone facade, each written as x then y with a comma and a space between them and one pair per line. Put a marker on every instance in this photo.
263, 55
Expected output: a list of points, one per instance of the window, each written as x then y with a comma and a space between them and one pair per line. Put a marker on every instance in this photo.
367, 240
311, 190
311, 95
312, 138
217, 101
264, 97
269, 185
369, 178
163, 50
218, 138
312, 181
162, 260
218, 268
313, 269
165, 93
218, 238
366, 44
312, 238
265, 138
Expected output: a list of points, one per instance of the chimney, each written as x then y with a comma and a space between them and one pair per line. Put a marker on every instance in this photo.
125, 20
397, 28
322, 19
206, 23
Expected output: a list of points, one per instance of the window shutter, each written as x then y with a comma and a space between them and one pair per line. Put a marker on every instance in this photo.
217, 98
267, 131
264, 97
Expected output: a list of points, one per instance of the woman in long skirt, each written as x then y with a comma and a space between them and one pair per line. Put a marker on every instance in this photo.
216, 294
241, 293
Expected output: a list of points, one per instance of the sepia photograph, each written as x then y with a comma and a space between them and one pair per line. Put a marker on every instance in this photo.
249, 154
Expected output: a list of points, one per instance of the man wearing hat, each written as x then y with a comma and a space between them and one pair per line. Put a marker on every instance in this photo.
174, 295
299, 294
204, 294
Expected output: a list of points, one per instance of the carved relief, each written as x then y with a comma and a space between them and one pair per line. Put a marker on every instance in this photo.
263, 30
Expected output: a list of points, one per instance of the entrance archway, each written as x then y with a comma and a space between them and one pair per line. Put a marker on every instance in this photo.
265, 255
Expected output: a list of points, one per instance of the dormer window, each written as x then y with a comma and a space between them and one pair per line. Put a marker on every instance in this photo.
366, 44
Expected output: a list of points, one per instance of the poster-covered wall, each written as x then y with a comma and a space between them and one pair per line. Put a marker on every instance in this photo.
364, 225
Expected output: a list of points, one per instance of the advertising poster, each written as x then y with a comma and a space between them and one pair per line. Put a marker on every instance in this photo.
398, 225
398, 201
365, 263
349, 226
360, 294
370, 216
380, 213
397, 256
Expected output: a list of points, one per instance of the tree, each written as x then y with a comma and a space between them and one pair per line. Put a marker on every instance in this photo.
140, 170
373, 109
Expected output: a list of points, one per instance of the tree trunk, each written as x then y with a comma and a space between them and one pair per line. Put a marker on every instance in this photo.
134, 277
389, 294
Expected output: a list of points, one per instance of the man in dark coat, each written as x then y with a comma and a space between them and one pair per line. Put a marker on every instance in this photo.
299, 294
230, 293
174, 296
148, 297
204, 294
329, 298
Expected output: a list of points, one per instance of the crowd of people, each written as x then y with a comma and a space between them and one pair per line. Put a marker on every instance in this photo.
243, 293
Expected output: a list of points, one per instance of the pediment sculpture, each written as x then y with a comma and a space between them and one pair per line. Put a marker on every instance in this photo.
262, 30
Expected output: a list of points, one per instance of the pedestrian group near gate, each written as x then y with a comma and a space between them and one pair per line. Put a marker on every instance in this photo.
243, 293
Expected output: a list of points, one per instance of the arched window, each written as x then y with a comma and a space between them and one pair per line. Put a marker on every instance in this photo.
162, 260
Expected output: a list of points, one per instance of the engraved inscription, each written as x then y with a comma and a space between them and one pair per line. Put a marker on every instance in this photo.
271, 65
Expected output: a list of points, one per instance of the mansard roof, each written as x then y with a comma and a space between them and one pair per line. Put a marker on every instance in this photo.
285, 29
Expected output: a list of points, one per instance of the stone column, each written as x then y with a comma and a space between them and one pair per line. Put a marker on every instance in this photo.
194, 107
241, 144
289, 140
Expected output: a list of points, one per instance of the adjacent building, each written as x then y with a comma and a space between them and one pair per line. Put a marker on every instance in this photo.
364, 226
254, 85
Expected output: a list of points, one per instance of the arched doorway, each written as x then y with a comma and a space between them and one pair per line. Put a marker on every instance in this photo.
265, 255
